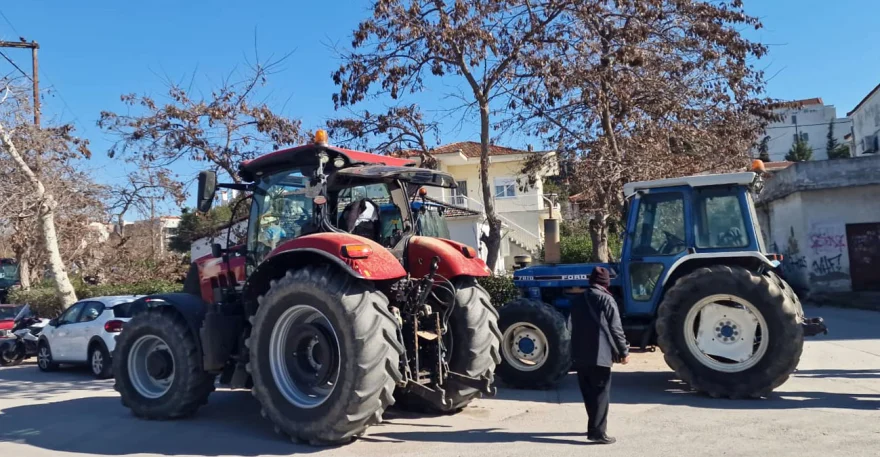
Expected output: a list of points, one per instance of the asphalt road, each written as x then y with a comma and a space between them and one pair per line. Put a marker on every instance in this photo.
830, 406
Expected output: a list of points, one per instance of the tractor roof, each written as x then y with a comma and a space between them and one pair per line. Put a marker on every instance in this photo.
740, 179
308, 155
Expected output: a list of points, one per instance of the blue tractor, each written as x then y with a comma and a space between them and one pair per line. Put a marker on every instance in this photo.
694, 279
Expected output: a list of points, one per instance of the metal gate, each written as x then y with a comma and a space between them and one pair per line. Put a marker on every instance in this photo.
864, 255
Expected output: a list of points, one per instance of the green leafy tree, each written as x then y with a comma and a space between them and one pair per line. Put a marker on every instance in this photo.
840, 152
800, 151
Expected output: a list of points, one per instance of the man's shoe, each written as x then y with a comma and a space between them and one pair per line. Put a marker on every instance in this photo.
604, 439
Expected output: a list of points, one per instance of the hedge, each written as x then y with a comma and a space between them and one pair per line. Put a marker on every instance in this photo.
43, 300
501, 289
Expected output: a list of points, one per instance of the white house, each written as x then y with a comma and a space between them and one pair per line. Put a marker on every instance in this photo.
866, 124
521, 208
805, 119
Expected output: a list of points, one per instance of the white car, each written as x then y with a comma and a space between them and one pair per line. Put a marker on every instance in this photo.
85, 333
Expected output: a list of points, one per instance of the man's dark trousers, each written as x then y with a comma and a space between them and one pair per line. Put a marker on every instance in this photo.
595, 384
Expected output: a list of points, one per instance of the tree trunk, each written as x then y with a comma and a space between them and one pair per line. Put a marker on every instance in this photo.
493, 239
24, 269
63, 289
599, 236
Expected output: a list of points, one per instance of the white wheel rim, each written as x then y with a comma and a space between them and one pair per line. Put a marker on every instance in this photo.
283, 354
97, 362
43, 357
731, 336
143, 382
525, 346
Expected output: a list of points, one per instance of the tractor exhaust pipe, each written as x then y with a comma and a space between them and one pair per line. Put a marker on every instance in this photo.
552, 253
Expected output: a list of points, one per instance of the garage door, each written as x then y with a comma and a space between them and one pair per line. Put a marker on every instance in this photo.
864, 255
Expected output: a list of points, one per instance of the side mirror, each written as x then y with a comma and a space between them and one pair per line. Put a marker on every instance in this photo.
53, 322
216, 250
207, 188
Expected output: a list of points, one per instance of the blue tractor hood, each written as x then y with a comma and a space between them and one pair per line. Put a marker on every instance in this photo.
571, 275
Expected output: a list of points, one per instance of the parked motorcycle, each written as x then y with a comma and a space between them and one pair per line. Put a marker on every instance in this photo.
25, 336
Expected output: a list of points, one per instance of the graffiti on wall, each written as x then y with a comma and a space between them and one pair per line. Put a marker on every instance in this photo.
827, 249
794, 262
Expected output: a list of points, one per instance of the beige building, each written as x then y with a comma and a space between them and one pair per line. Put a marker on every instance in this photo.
522, 208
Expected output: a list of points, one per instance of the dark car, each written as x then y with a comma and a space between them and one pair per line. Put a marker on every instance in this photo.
9, 277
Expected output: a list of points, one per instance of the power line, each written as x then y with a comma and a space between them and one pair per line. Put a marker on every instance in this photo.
8, 22
804, 125
16, 66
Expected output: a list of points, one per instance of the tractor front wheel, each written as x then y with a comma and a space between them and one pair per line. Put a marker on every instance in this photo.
730, 332
535, 346
324, 356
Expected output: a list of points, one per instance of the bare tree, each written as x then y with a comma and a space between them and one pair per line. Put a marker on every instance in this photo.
398, 129
482, 42
635, 90
28, 150
229, 126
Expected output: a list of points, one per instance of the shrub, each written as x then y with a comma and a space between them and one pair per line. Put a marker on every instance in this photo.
500, 288
44, 302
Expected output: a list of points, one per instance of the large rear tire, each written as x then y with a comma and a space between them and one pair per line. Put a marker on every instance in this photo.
157, 367
474, 348
476, 339
323, 355
536, 345
730, 332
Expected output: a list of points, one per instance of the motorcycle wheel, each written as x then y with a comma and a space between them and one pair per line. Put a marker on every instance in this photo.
11, 358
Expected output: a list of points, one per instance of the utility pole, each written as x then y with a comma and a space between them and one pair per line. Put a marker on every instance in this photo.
35, 75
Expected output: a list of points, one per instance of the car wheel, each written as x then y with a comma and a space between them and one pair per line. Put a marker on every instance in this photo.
99, 362
44, 357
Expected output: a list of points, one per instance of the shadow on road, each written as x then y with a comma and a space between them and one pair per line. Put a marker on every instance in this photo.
663, 388
229, 425
484, 436
844, 374
28, 382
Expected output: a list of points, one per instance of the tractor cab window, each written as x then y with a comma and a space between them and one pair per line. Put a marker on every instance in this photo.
284, 204
432, 222
720, 222
660, 227
369, 211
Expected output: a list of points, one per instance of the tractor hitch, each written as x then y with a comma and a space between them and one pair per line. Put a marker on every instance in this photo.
483, 384
434, 396
814, 326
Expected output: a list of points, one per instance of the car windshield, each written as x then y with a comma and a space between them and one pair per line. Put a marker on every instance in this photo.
8, 312
22, 312
8, 273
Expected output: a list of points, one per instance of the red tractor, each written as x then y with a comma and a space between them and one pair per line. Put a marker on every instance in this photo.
336, 305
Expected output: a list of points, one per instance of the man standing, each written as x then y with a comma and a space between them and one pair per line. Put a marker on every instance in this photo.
597, 342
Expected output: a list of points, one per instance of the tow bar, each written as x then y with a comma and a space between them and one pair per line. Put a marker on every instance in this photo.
814, 326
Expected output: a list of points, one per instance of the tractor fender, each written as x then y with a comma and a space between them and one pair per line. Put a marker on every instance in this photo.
453, 262
690, 262
379, 265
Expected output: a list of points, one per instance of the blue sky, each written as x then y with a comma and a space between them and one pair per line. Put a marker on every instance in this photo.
94, 51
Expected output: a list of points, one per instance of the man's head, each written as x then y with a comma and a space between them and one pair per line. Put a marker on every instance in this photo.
600, 276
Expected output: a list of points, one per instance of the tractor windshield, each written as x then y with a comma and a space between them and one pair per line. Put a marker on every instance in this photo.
284, 209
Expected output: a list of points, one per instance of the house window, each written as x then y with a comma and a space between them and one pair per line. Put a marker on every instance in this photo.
794, 119
505, 187
805, 137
